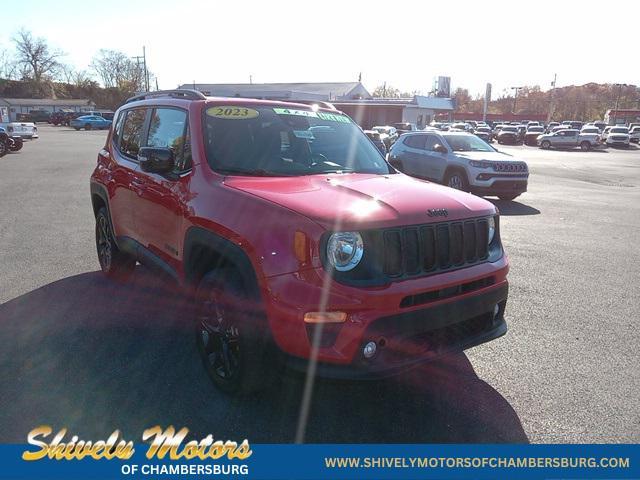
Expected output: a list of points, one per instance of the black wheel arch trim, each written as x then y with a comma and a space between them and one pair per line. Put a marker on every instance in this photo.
198, 237
101, 192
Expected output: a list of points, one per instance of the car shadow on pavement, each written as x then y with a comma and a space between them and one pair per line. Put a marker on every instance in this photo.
94, 356
513, 208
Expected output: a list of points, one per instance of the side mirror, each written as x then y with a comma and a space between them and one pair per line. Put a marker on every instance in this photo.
438, 147
156, 159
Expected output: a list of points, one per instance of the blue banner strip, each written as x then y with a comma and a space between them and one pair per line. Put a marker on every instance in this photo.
333, 461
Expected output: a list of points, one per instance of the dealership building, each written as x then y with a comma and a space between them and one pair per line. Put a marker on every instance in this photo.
350, 97
617, 117
16, 106
419, 109
322, 91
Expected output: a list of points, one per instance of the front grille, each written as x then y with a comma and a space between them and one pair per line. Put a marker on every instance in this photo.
429, 248
509, 167
444, 293
618, 138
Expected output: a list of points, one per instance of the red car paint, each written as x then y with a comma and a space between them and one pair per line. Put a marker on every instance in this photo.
261, 216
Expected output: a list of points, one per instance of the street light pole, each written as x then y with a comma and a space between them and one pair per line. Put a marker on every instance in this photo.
615, 111
515, 97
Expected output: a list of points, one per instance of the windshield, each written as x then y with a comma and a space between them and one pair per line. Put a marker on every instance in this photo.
266, 141
620, 130
467, 143
509, 129
590, 130
536, 129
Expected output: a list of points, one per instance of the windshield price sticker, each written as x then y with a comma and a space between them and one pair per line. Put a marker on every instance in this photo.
300, 113
232, 113
333, 117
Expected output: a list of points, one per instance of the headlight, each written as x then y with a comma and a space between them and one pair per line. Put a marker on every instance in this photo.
344, 250
479, 163
492, 228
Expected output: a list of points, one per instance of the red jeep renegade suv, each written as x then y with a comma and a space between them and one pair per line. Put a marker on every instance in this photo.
295, 237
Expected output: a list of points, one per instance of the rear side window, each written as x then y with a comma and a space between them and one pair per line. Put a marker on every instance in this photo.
415, 141
431, 142
117, 129
168, 128
132, 129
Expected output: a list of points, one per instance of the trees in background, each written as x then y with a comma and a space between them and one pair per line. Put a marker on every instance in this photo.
37, 62
34, 69
576, 102
387, 91
116, 70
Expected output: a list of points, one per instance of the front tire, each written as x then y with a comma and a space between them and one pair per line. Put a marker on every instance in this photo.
585, 146
16, 144
546, 145
114, 263
233, 340
457, 180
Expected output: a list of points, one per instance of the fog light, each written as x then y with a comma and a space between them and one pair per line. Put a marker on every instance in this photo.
369, 350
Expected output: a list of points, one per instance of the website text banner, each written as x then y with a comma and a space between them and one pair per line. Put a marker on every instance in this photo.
331, 461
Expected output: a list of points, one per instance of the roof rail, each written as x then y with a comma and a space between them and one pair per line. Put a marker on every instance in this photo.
179, 93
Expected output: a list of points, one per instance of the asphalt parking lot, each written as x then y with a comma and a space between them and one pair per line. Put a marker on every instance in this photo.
78, 351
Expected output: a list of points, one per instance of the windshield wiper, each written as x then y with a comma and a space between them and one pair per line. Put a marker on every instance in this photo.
252, 173
332, 170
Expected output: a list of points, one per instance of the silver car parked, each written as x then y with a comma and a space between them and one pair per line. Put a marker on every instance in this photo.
462, 161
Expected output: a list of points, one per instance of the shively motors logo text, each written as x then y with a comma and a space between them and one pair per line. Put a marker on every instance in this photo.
162, 443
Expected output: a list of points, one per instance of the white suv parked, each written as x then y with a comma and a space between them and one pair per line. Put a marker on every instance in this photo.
617, 136
460, 160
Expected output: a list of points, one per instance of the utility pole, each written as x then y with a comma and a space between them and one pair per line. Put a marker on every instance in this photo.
515, 98
146, 72
487, 99
615, 110
141, 63
551, 97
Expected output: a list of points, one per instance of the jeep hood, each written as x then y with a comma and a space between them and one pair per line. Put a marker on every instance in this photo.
492, 156
359, 201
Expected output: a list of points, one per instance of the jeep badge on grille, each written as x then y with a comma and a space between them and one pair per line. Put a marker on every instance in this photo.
438, 212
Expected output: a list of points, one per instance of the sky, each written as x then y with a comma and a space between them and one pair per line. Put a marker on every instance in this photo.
405, 44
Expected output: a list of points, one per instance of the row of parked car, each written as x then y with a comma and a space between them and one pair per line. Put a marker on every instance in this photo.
568, 134
60, 117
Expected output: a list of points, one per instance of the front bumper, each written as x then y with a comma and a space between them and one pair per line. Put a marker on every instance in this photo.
410, 339
508, 139
416, 319
617, 143
497, 183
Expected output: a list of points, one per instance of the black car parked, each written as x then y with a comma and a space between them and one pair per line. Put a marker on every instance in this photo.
509, 135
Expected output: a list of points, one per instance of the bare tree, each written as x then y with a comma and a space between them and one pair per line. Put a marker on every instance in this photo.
35, 57
8, 65
116, 70
387, 91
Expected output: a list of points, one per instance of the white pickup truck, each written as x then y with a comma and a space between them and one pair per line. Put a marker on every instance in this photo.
569, 138
26, 130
